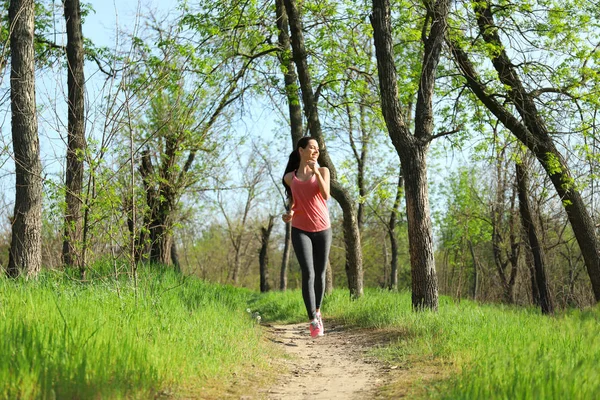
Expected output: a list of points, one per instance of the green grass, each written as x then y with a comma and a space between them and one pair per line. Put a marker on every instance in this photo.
488, 351
183, 337
60, 338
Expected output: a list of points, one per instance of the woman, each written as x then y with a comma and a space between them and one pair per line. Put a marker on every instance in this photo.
307, 186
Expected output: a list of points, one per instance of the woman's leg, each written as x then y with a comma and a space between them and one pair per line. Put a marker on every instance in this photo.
321, 245
303, 247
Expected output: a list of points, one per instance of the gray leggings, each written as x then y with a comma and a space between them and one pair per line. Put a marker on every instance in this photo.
312, 251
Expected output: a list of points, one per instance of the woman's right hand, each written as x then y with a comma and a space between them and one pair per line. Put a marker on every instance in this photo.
287, 217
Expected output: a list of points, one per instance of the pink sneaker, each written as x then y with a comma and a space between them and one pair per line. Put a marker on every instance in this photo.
322, 332
315, 328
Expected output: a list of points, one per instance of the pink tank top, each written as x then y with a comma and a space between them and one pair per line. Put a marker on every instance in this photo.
310, 208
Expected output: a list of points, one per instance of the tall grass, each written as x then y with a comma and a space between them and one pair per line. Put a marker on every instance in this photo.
103, 339
491, 351
177, 336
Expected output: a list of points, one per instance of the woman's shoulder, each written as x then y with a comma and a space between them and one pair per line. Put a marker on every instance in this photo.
288, 177
323, 170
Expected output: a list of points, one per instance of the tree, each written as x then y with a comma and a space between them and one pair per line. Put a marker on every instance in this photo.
524, 112
190, 87
412, 149
25, 250
360, 152
265, 235
539, 263
389, 218
465, 226
73, 232
348, 89
46, 51
354, 267
295, 114
391, 230
237, 224
289, 73
174, 125
506, 242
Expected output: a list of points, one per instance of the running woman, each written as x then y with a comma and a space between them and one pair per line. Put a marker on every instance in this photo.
307, 187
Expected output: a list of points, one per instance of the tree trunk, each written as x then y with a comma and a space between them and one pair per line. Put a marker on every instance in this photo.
535, 294
534, 242
175, 255
295, 112
25, 254
285, 259
506, 255
412, 149
137, 242
235, 270
160, 201
475, 286
385, 278
161, 240
354, 267
289, 73
360, 156
263, 258
392, 234
420, 232
329, 279
529, 127
73, 231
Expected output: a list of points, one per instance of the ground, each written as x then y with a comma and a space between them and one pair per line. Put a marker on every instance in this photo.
335, 366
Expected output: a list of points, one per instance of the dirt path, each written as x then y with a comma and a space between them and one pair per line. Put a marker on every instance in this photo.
334, 366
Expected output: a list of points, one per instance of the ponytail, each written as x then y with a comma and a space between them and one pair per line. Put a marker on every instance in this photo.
292, 165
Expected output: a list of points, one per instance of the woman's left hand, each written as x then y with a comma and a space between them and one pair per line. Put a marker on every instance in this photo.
287, 217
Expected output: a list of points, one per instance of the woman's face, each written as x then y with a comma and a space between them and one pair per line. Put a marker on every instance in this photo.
310, 152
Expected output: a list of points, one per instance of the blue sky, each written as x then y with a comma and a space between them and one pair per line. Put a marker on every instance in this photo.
102, 26
111, 16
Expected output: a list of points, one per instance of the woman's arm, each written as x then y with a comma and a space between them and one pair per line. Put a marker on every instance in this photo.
323, 178
288, 178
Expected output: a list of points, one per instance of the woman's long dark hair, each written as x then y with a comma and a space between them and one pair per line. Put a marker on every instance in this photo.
294, 162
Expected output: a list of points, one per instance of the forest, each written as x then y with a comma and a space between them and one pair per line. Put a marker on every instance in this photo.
141, 196
460, 136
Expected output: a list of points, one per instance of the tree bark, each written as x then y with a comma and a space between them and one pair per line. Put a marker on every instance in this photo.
392, 234
534, 242
161, 239
285, 259
73, 231
25, 256
529, 127
295, 113
412, 149
160, 201
263, 258
535, 294
329, 279
354, 265
175, 256
420, 232
289, 73
506, 255
475, 287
